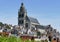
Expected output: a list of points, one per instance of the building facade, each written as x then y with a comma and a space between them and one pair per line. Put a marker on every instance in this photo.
25, 21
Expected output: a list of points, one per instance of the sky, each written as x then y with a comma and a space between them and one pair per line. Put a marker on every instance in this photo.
46, 11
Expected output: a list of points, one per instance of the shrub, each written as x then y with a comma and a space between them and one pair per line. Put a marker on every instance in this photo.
46, 40
42, 40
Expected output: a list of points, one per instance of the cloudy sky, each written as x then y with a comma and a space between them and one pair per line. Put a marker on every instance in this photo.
46, 11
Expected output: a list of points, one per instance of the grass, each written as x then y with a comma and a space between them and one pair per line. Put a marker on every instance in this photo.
8, 39
12, 39
16, 39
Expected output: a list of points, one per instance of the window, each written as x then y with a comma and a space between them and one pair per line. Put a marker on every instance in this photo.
21, 15
26, 25
20, 21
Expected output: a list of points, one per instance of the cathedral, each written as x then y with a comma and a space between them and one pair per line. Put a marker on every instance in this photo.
31, 25
25, 21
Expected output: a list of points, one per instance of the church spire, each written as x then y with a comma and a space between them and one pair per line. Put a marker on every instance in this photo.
22, 8
22, 4
22, 15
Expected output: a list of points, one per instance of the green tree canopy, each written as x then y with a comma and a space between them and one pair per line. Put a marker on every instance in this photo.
38, 33
1, 24
8, 27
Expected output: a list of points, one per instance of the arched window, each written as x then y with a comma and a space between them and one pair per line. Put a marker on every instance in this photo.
21, 15
21, 21
26, 25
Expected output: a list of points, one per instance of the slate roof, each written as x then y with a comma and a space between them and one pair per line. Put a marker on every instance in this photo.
34, 20
40, 26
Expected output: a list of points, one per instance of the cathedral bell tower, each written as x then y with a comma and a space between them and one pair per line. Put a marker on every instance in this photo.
22, 16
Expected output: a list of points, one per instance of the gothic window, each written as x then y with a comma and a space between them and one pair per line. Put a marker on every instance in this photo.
20, 21
26, 25
21, 15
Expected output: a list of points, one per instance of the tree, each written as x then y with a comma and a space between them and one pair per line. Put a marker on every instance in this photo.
1, 24
38, 33
7, 26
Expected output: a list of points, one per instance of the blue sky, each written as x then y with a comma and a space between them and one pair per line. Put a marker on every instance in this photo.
46, 11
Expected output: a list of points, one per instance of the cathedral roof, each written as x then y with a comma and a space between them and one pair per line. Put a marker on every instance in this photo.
34, 20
